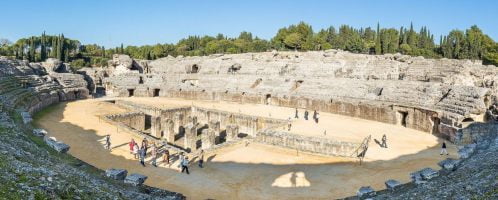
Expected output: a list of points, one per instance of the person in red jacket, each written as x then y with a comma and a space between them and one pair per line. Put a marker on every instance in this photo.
131, 144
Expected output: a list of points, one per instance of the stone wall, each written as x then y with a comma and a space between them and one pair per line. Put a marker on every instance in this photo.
324, 146
135, 120
436, 95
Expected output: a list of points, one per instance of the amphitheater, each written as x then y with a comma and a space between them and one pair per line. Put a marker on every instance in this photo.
246, 113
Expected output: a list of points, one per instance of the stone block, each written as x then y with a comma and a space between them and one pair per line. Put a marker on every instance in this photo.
39, 132
232, 132
117, 174
26, 117
208, 138
365, 192
56, 145
135, 179
417, 177
449, 164
428, 173
392, 184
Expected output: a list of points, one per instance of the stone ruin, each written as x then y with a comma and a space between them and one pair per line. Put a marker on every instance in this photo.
438, 96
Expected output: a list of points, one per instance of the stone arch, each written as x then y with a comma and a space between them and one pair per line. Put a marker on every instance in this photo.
468, 119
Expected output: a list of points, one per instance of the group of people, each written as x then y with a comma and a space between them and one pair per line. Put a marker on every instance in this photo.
140, 153
316, 115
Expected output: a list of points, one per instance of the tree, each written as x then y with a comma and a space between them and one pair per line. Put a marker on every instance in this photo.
294, 41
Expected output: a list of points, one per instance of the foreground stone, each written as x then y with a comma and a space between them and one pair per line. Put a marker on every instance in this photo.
56, 145
116, 174
365, 192
417, 178
392, 184
429, 173
449, 164
39, 132
26, 117
135, 179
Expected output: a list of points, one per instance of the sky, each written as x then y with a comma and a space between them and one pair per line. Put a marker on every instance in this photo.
133, 22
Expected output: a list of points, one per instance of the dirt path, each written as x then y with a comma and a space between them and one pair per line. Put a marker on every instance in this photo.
249, 172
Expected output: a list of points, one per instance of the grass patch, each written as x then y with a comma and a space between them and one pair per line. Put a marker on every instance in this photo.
42, 113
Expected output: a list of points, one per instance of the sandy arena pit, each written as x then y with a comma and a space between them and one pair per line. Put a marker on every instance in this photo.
255, 171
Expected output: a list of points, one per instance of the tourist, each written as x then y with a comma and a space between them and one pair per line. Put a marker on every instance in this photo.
180, 158
145, 144
201, 158
154, 154
108, 142
314, 115
297, 114
306, 114
443, 149
289, 124
131, 145
185, 165
317, 116
166, 156
142, 155
136, 148
384, 140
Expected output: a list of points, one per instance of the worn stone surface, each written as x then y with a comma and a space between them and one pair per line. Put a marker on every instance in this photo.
428, 173
449, 164
56, 145
392, 184
26, 117
117, 174
135, 179
365, 192
39, 132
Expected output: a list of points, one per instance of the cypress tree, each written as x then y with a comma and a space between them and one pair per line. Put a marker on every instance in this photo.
43, 53
122, 49
378, 48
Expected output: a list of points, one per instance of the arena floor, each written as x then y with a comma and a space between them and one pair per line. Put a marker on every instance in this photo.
255, 171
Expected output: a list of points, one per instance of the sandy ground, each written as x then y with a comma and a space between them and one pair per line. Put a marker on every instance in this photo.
255, 171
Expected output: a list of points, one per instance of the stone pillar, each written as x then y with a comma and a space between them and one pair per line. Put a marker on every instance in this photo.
215, 126
208, 138
155, 129
190, 138
194, 120
178, 119
169, 130
232, 132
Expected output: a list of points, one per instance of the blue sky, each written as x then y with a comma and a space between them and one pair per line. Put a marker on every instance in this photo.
133, 22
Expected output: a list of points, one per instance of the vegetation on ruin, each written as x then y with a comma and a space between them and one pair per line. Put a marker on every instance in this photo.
469, 44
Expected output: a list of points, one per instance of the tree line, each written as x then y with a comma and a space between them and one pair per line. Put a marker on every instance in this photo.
469, 44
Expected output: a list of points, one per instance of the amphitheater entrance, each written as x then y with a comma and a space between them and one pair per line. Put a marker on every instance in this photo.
131, 92
148, 122
401, 117
268, 99
435, 125
100, 91
156, 92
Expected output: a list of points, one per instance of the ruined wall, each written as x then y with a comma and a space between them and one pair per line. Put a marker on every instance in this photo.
317, 145
135, 120
437, 95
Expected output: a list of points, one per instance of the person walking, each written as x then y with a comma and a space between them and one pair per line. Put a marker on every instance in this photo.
289, 124
180, 158
136, 149
131, 145
142, 156
314, 115
201, 158
145, 145
108, 142
384, 141
297, 114
154, 154
317, 116
185, 165
166, 156
306, 114
443, 149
